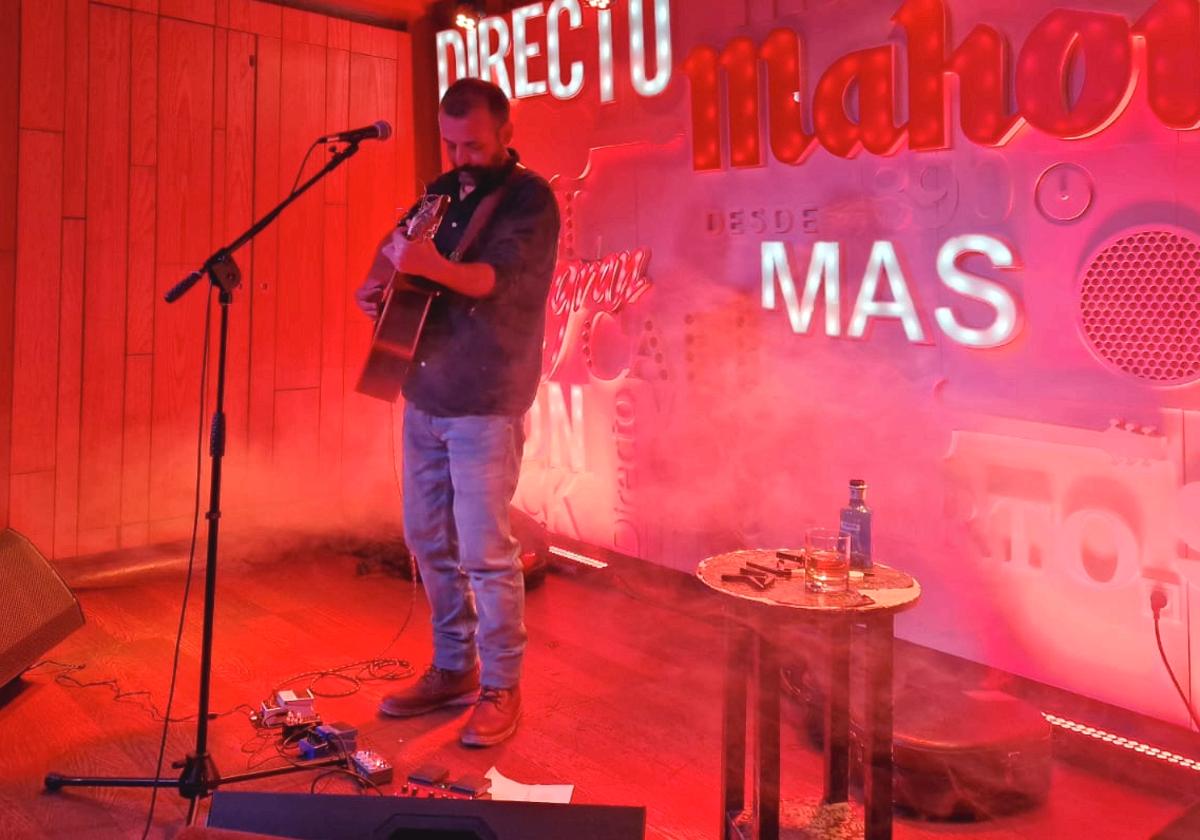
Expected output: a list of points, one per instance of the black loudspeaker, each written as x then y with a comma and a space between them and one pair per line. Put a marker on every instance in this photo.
38, 610
321, 816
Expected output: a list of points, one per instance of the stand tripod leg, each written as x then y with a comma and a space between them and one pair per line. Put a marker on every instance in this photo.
57, 781
194, 787
291, 768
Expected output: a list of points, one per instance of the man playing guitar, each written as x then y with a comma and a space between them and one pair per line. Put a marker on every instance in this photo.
473, 377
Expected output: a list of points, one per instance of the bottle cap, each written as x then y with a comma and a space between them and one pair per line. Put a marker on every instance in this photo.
857, 482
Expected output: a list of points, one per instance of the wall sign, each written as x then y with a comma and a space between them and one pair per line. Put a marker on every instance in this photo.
486, 50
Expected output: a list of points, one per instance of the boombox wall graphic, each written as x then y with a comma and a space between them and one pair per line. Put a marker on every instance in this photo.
948, 246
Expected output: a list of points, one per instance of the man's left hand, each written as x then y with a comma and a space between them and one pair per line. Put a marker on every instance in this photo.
420, 258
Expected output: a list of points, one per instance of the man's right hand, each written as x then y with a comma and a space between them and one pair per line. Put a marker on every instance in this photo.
368, 298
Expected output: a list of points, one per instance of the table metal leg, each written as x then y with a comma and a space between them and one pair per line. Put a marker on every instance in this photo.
837, 713
733, 722
877, 770
766, 781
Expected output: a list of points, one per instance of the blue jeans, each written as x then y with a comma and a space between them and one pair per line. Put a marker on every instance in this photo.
460, 474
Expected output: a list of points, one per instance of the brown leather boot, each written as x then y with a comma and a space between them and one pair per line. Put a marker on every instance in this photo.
436, 688
495, 717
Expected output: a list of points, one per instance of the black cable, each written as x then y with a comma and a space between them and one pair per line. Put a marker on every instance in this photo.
344, 756
1171, 672
365, 670
279, 746
64, 677
412, 560
363, 781
303, 163
368, 669
254, 745
187, 586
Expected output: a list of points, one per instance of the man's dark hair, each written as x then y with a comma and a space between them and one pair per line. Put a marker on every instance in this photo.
467, 94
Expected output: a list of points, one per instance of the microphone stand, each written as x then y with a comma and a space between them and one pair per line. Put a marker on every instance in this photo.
199, 776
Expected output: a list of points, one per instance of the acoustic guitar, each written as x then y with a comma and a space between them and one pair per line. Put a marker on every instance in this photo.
402, 311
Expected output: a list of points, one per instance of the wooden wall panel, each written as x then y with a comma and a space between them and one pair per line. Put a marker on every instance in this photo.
335, 367
8, 277
75, 111
97, 540
298, 308
135, 480
406, 172
141, 297
139, 361
296, 479
10, 110
70, 390
371, 212
43, 63
33, 507
265, 265
220, 71
239, 203
156, 137
219, 107
339, 34
39, 257
143, 138
239, 134
257, 16
185, 100
217, 189
377, 41
106, 269
333, 303
305, 27
337, 117
178, 528
200, 11
185, 104
134, 535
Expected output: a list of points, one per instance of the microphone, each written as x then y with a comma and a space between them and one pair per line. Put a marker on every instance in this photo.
380, 130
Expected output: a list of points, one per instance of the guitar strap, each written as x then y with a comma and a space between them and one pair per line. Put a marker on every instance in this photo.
479, 219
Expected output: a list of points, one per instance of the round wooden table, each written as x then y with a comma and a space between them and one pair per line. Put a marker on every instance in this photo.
754, 610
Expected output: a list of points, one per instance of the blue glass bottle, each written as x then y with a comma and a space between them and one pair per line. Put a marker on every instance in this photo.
856, 521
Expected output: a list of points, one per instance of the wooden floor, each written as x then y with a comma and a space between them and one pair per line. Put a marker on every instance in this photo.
621, 691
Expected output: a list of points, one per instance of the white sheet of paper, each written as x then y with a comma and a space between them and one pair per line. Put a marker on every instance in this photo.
507, 790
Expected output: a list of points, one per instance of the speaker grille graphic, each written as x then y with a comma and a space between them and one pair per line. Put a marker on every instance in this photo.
1140, 306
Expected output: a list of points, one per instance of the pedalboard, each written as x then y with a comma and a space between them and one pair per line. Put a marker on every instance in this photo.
432, 781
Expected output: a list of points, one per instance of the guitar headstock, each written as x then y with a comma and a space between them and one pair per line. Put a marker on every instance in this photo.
424, 222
